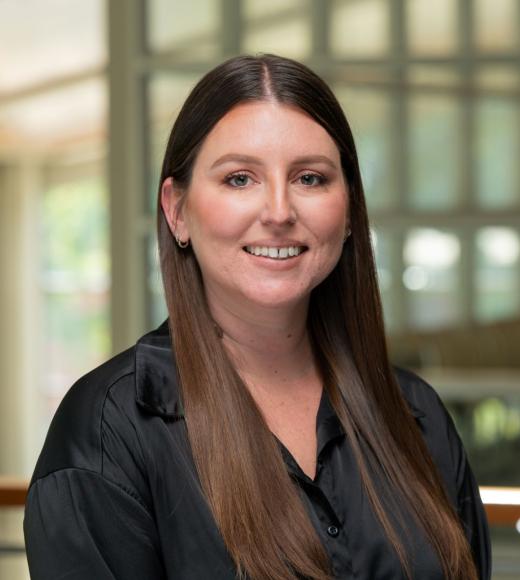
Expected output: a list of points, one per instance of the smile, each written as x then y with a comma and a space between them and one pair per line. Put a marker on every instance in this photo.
283, 253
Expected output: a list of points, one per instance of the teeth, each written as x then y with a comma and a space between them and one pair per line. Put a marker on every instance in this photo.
275, 253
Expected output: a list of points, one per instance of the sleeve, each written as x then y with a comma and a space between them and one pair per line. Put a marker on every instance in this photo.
470, 507
78, 525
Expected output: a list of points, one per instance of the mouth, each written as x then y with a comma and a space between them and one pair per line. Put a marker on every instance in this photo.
280, 253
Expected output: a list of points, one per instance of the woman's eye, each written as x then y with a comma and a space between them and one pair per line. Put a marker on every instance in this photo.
243, 179
312, 179
237, 180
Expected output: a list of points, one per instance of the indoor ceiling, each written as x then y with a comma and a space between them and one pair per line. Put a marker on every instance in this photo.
41, 40
52, 61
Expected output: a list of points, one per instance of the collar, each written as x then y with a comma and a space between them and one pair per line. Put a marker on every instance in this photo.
329, 426
157, 389
415, 411
156, 381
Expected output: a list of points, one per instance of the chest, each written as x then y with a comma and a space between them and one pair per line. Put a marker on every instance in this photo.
338, 508
296, 429
293, 421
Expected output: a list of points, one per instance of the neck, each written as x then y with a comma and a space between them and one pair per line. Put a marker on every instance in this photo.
270, 347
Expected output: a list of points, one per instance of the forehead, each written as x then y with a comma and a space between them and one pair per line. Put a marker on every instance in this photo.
270, 127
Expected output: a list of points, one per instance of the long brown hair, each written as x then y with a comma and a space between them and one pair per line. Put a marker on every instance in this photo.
269, 535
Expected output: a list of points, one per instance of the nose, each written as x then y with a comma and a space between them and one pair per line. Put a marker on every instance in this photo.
278, 208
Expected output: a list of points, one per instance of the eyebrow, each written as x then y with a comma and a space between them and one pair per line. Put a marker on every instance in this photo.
304, 159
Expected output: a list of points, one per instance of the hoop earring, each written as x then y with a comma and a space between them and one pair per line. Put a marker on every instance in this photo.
347, 234
180, 243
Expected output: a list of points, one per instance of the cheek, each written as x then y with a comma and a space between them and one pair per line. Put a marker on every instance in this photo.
330, 221
213, 220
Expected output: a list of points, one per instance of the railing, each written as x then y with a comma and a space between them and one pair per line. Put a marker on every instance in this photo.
12, 491
502, 504
12, 494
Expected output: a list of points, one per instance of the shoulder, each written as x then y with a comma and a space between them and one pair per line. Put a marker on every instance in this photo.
427, 407
74, 437
109, 422
421, 397
450, 458
437, 427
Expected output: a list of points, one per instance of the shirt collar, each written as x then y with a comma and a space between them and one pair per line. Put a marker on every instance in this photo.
156, 382
329, 426
157, 388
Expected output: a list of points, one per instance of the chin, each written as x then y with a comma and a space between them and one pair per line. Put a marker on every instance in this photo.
277, 298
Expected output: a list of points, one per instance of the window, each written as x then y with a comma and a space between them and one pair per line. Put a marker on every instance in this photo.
75, 280
436, 124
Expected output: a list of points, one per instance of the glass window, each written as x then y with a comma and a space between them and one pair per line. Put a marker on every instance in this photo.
432, 26
167, 93
497, 25
434, 152
432, 76
497, 276
75, 283
284, 35
490, 429
503, 77
497, 151
190, 30
359, 28
431, 259
157, 304
384, 248
369, 113
252, 9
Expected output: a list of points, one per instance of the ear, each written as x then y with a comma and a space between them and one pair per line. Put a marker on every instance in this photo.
171, 196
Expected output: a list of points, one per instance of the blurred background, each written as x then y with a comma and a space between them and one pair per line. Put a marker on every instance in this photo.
88, 93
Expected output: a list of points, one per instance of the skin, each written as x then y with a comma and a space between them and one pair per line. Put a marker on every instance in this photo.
261, 304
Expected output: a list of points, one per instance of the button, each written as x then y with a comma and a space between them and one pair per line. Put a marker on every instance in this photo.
332, 531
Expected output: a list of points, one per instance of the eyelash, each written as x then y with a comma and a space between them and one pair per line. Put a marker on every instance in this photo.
229, 177
322, 180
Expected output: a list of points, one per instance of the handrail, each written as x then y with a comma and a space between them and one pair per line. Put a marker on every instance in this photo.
502, 503
13, 491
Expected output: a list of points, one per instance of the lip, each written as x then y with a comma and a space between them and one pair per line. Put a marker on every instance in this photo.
277, 243
278, 265
273, 265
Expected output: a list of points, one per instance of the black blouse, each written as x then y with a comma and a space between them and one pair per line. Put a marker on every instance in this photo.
115, 494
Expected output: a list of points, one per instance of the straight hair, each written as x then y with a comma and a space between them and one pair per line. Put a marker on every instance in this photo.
270, 535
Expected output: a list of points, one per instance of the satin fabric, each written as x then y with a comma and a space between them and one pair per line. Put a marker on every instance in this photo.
115, 494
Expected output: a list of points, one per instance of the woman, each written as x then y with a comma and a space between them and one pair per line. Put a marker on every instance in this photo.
277, 442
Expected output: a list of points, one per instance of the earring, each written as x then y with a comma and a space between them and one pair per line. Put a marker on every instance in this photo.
347, 234
180, 243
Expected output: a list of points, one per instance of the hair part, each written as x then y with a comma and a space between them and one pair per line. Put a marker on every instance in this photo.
238, 461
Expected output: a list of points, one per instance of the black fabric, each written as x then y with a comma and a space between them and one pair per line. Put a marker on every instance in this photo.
115, 494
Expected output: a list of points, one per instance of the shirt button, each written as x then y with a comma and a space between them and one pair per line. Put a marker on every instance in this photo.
332, 531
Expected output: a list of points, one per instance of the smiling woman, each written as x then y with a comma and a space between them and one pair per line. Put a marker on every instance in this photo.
261, 432
266, 225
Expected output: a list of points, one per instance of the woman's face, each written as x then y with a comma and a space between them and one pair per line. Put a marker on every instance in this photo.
267, 207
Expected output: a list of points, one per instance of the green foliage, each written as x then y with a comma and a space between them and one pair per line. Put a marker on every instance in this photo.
75, 278
75, 229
